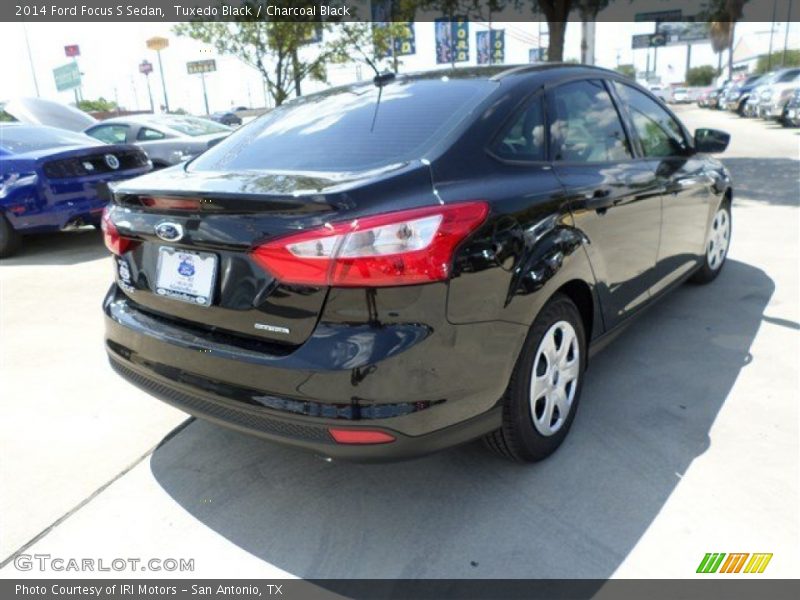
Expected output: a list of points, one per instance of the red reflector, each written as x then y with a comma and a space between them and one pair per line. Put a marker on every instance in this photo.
114, 241
400, 248
360, 436
171, 203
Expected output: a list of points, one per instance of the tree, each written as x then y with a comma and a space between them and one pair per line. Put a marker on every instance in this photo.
722, 15
371, 43
99, 105
764, 63
627, 71
700, 76
271, 47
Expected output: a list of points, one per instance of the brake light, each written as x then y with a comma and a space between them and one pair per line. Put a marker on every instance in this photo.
167, 203
360, 436
401, 248
114, 241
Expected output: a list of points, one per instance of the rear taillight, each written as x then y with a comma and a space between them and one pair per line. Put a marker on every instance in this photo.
114, 241
400, 248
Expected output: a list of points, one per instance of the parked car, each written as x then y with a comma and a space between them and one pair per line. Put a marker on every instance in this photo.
737, 96
776, 94
703, 98
661, 92
53, 179
167, 139
791, 116
393, 267
226, 118
751, 108
680, 95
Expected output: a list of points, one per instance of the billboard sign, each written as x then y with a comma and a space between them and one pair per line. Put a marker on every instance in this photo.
67, 77
648, 40
684, 32
145, 67
72, 50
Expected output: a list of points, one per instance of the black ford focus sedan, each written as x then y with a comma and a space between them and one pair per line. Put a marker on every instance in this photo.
390, 268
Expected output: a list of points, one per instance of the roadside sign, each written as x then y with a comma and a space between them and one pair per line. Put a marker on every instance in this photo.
72, 50
648, 40
67, 77
201, 66
684, 32
659, 16
145, 67
157, 43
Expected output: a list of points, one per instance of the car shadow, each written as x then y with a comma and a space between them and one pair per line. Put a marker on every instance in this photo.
59, 248
769, 180
648, 404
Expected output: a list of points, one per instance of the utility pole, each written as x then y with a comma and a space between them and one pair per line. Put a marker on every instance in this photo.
786, 36
771, 32
205, 93
688, 60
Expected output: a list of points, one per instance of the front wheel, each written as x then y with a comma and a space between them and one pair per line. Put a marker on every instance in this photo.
719, 239
10, 239
542, 397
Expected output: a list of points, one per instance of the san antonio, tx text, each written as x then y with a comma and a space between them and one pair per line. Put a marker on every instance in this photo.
131, 589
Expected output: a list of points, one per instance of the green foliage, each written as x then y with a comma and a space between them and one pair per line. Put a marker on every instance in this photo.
700, 76
99, 105
792, 60
274, 48
5, 117
627, 71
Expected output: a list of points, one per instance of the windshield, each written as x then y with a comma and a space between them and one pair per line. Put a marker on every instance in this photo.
194, 127
346, 129
16, 139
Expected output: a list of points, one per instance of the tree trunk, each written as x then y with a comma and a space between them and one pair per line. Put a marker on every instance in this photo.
555, 48
556, 13
296, 73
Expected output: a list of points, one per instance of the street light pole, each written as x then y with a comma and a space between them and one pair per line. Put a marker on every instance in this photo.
205, 94
30, 59
163, 81
786, 36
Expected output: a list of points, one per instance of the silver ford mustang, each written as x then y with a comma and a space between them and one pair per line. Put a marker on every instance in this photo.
167, 139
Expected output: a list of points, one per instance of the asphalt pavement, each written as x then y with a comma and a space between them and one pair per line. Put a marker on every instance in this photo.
686, 441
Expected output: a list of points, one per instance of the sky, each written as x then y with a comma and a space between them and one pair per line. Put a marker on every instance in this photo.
111, 53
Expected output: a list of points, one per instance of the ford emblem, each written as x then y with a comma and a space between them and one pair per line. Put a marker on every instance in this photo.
169, 232
112, 161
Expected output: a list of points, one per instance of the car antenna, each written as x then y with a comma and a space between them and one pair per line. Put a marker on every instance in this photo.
379, 80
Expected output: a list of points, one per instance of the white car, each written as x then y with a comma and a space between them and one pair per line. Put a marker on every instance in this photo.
680, 96
660, 92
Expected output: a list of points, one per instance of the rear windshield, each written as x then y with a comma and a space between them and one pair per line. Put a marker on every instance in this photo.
17, 140
347, 130
194, 127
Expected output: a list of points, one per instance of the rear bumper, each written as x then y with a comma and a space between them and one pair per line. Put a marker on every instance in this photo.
428, 389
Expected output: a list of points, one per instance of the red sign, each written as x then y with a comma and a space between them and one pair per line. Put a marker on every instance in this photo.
146, 67
72, 50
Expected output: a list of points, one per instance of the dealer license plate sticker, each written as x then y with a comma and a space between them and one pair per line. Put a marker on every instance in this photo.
186, 276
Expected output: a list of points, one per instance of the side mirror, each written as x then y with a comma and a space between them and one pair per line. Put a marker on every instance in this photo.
711, 140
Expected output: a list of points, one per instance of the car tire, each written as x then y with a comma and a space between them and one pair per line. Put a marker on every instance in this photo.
717, 245
548, 376
10, 238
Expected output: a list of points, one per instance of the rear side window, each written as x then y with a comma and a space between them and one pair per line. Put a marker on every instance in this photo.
351, 129
110, 134
584, 125
146, 134
659, 133
524, 138
789, 76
